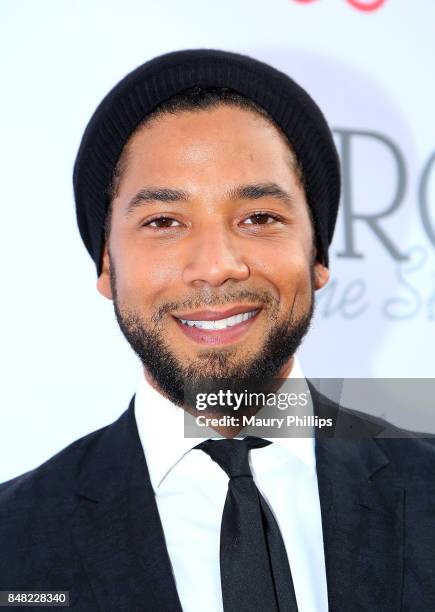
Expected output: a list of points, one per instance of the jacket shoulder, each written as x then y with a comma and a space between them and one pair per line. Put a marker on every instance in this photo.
411, 454
37, 510
50, 482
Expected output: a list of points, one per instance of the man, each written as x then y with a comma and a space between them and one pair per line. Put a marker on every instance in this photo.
207, 188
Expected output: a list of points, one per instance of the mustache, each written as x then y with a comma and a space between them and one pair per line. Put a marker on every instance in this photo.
209, 297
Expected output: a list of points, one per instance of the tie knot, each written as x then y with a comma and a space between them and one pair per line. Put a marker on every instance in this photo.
232, 455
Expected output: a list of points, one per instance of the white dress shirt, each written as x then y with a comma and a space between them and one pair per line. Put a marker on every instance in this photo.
190, 490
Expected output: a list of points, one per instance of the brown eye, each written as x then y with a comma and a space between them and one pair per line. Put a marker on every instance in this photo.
163, 222
160, 222
261, 219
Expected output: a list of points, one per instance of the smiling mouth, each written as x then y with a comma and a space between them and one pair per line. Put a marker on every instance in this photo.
219, 324
215, 330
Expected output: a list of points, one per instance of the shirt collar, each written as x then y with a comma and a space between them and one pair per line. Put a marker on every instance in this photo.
160, 425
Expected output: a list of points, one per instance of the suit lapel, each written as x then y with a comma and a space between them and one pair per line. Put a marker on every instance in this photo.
362, 520
117, 527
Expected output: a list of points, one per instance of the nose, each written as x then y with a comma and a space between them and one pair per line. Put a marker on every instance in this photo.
214, 258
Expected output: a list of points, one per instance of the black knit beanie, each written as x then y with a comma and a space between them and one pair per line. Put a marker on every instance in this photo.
142, 90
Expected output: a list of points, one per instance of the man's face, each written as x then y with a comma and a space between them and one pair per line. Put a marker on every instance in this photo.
210, 216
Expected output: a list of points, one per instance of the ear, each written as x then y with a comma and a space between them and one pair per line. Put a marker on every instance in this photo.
103, 282
321, 275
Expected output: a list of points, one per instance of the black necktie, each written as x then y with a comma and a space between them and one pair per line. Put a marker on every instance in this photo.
255, 573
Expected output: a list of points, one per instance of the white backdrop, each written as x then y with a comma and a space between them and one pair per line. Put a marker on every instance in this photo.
65, 368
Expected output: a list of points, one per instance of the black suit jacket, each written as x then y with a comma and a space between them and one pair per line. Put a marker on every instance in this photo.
87, 521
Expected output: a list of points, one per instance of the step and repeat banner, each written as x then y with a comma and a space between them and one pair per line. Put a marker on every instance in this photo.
66, 369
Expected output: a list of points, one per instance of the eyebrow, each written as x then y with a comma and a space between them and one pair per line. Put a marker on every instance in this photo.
241, 192
156, 194
261, 190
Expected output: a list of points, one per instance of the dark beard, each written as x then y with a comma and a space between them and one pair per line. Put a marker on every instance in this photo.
213, 369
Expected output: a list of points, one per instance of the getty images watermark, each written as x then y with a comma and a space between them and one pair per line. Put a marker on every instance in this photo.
278, 408
273, 408
226, 399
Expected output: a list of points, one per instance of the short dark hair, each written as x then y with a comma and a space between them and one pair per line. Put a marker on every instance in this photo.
195, 99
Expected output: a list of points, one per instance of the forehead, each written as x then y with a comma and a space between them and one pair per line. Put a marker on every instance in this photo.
223, 142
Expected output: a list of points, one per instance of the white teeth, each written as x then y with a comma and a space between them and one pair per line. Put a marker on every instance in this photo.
221, 323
